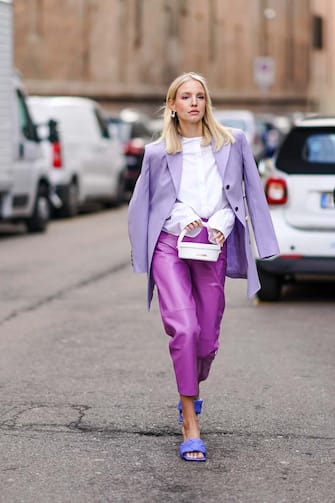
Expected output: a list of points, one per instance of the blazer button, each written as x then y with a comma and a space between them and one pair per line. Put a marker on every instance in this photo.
236, 208
227, 187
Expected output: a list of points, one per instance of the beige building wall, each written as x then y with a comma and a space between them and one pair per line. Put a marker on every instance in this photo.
322, 81
130, 50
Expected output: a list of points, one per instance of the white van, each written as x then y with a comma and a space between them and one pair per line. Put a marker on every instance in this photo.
25, 185
91, 165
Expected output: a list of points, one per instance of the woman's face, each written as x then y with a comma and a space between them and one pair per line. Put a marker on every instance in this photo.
190, 102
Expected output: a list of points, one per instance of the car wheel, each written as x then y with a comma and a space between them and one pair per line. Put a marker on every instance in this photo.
39, 220
70, 206
270, 286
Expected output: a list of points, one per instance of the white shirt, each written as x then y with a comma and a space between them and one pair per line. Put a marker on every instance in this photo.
200, 193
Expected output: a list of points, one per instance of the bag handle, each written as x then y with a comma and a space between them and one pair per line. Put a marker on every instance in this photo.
184, 232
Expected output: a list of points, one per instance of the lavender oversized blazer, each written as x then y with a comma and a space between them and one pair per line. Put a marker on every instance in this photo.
156, 192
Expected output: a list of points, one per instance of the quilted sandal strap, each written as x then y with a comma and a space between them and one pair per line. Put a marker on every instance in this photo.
197, 408
192, 445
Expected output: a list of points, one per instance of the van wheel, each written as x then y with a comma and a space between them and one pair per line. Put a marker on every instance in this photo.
38, 222
270, 286
70, 206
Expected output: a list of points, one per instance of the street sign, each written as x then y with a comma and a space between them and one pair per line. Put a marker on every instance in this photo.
264, 71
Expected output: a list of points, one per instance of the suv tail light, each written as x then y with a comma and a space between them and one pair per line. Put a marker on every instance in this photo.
134, 147
276, 191
56, 155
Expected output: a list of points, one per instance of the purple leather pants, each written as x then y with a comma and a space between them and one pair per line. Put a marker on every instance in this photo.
192, 301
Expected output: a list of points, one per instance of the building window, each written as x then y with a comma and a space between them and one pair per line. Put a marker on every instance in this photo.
317, 32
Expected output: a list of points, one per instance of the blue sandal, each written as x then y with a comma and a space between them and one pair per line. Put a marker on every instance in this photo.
197, 409
192, 445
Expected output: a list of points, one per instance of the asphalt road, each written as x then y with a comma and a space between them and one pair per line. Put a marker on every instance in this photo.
87, 392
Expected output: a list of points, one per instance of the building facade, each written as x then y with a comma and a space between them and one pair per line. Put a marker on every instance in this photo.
254, 53
322, 58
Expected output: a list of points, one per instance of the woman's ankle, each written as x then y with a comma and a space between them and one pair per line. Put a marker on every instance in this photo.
191, 429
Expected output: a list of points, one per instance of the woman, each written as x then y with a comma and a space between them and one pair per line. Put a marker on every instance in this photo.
201, 177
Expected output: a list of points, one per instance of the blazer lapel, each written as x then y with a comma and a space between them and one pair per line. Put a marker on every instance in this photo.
221, 157
175, 164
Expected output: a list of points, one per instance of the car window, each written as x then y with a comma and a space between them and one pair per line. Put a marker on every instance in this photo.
320, 148
140, 130
120, 129
308, 150
42, 116
102, 125
125, 132
26, 123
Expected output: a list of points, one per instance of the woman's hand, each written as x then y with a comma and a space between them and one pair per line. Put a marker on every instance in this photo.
194, 225
217, 236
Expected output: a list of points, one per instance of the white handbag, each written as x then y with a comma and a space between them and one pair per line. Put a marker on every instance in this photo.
197, 251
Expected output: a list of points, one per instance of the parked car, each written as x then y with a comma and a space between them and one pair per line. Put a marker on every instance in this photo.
245, 120
25, 186
272, 129
156, 127
133, 129
300, 190
85, 163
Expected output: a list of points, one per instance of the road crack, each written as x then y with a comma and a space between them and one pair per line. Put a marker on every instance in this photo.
77, 427
68, 417
64, 291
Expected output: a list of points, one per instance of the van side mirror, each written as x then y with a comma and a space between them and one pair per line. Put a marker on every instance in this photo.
53, 136
30, 131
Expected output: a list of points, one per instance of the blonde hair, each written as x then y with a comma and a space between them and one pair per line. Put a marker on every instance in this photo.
211, 127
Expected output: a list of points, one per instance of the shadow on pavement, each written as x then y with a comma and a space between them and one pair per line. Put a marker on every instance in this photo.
309, 291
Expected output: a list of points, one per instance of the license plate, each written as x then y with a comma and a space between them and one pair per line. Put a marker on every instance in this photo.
327, 200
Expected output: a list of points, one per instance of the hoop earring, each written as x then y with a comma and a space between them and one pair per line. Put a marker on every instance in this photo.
173, 114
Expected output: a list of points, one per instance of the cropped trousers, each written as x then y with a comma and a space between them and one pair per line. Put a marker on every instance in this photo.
191, 301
